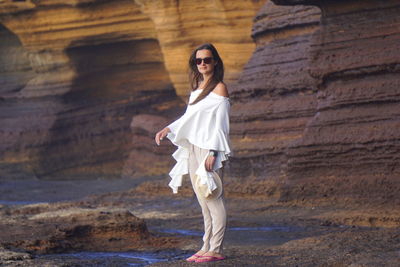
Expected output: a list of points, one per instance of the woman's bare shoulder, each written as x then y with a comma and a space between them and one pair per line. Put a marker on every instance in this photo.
221, 89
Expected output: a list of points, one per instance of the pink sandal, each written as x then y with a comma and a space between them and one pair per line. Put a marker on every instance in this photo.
195, 257
209, 259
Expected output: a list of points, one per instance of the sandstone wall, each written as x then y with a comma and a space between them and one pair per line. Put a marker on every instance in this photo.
80, 71
183, 25
350, 148
317, 107
276, 96
87, 83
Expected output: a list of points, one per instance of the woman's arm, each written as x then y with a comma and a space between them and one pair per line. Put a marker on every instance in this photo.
168, 129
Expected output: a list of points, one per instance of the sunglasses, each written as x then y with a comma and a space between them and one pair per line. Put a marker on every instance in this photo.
207, 60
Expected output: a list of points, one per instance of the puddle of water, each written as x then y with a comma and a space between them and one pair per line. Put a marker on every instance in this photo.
186, 232
147, 258
263, 235
263, 228
178, 231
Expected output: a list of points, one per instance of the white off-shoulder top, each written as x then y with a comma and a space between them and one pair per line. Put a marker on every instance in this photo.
206, 125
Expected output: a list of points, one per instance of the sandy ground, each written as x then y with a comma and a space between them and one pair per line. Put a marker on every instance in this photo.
260, 232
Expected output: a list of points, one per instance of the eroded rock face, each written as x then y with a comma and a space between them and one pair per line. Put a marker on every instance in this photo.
276, 96
323, 120
314, 111
73, 82
350, 146
183, 25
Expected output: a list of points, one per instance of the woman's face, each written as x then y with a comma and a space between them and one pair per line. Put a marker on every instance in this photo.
205, 68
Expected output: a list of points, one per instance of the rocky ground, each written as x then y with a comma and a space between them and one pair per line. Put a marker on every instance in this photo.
129, 226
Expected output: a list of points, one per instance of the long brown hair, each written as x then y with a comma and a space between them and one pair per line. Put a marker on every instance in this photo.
196, 77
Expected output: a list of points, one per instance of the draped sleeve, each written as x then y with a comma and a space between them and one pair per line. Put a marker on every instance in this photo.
206, 125
174, 125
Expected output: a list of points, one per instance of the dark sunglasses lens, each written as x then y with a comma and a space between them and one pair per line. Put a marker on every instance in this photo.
208, 60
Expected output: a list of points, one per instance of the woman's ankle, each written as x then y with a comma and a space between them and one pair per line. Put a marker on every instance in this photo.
201, 252
212, 253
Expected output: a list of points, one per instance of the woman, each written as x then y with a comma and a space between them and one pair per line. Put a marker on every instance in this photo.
202, 137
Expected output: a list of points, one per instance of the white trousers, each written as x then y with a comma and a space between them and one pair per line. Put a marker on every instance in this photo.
214, 213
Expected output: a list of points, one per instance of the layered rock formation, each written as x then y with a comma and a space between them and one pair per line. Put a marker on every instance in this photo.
94, 66
315, 111
276, 96
323, 119
183, 25
75, 73
351, 146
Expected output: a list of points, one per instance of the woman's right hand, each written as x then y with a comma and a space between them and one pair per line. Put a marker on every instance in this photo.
161, 134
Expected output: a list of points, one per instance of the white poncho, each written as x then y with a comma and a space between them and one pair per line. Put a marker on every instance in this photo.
206, 125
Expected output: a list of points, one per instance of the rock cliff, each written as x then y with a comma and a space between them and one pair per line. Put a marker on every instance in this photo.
74, 75
317, 107
182, 25
351, 145
85, 84
275, 96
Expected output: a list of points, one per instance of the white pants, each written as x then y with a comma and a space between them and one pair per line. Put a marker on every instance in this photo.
213, 210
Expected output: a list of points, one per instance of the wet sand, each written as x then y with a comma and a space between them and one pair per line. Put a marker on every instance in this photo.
260, 232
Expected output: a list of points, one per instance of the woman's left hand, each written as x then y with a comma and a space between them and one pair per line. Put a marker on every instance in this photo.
210, 160
161, 134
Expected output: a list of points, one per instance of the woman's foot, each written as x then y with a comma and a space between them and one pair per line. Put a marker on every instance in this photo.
213, 254
195, 256
210, 256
